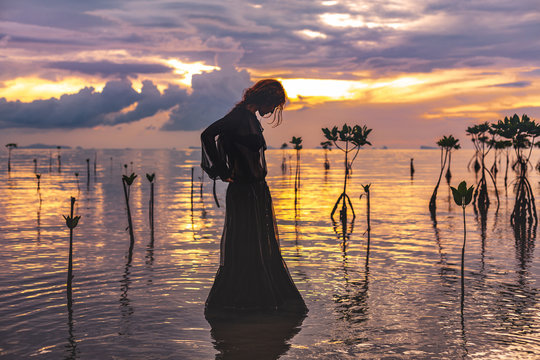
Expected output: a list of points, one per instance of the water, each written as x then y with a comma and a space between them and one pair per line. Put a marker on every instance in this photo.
403, 303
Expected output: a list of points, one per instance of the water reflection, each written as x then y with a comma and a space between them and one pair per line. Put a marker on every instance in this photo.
352, 301
38, 220
126, 309
72, 352
362, 299
257, 336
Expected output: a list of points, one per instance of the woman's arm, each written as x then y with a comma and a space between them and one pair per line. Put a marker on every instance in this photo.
213, 162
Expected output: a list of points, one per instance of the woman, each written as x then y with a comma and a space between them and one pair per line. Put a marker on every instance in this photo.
252, 274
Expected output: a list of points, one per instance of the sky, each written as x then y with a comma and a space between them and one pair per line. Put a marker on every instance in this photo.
153, 74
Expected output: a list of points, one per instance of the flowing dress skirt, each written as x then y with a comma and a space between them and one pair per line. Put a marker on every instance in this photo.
252, 274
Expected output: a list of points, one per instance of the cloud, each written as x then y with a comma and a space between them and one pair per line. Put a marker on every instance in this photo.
516, 84
213, 94
108, 68
89, 108
378, 35
151, 101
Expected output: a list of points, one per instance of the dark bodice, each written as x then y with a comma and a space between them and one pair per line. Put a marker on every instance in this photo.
233, 147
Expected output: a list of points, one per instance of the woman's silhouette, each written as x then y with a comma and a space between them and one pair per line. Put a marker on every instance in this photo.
252, 275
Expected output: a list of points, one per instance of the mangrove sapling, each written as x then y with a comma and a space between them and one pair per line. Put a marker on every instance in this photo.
59, 159
150, 178
448, 174
352, 140
505, 146
38, 177
35, 166
283, 148
77, 177
483, 139
447, 144
327, 146
127, 181
297, 142
10, 147
71, 223
368, 218
463, 197
201, 178
192, 171
87, 174
522, 132
412, 168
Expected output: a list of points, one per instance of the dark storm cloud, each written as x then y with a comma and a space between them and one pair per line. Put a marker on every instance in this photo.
108, 68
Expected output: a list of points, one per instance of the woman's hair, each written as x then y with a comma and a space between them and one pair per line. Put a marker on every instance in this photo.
267, 92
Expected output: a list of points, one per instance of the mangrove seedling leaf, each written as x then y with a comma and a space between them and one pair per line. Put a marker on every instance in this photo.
150, 177
468, 196
129, 179
72, 222
458, 199
462, 188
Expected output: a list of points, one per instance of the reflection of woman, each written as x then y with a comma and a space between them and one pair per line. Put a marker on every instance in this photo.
257, 336
252, 274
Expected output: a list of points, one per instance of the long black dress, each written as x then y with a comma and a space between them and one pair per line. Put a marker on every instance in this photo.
252, 274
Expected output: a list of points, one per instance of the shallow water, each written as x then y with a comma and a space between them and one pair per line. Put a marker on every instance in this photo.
404, 301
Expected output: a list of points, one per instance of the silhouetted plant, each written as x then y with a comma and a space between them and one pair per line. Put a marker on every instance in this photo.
352, 139
38, 177
502, 146
297, 142
456, 146
522, 133
35, 165
59, 158
483, 138
71, 223
327, 146
87, 173
447, 144
192, 186
150, 178
201, 178
412, 168
77, 177
283, 148
10, 147
127, 181
463, 197
368, 218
